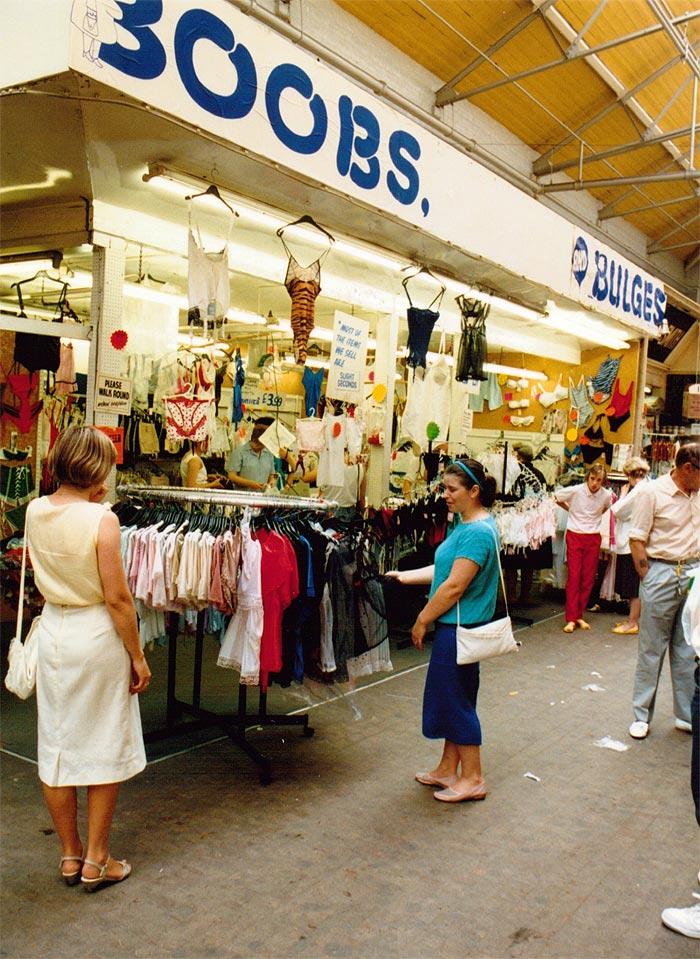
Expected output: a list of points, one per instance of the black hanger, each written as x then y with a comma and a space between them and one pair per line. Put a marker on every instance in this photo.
423, 269
306, 218
213, 190
44, 275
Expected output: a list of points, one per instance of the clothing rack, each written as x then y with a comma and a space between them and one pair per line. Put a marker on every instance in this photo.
234, 725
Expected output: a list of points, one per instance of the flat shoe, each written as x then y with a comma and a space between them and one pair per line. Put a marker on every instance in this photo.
623, 630
570, 627
582, 624
93, 884
429, 780
71, 878
452, 795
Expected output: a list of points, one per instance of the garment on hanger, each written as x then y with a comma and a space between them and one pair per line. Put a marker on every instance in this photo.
548, 397
238, 382
412, 418
312, 381
619, 410
421, 322
310, 434
187, 417
603, 380
65, 374
331, 463
472, 345
22, 414
209, 293
578, 396
437, 396
303, 284
241, 646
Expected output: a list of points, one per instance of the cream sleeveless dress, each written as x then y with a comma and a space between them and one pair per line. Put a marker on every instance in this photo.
89, 726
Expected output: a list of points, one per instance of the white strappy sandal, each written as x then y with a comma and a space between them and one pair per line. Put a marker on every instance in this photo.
71, 878
92, 885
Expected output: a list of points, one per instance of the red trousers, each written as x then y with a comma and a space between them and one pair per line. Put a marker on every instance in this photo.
582, 551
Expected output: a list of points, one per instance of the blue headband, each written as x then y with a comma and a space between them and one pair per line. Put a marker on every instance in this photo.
467, 471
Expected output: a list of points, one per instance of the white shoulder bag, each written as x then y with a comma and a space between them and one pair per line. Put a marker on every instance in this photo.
22, 656
475, 643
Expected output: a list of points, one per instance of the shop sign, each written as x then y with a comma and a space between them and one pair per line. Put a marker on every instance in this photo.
691, 405
346, 374
116, 434
112, 394
607, 282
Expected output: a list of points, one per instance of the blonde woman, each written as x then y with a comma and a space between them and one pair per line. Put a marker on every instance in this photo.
90, 662
626, 578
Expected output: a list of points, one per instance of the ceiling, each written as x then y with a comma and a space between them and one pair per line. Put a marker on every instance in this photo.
583, 104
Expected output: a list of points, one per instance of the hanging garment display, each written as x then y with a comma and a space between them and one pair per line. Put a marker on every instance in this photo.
592, 442
312, 381
619, 410
421, 322
238, 383
65, 374
603, 380
22, 412
303, 284
437, 396
472, 345
578, 396
331, 463
186, 417
548, 397
241, 646
208, 288
310, 434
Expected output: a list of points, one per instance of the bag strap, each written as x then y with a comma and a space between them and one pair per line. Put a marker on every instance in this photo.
20, 601
500, 570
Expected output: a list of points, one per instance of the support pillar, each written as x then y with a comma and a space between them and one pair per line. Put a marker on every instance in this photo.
639, 398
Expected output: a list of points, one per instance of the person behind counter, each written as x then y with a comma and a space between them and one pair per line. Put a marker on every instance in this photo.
465, 573
251, 466
193, 472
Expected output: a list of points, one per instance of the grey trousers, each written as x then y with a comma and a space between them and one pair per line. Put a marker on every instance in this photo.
662, 593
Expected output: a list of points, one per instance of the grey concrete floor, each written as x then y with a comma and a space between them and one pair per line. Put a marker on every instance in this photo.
345, 855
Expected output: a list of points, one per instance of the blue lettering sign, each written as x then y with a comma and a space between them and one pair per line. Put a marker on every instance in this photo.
147, 60
200, 25
648, 300
288, 76
659, 306
600, 283
402, 149
579, 260
637, 295
365, 147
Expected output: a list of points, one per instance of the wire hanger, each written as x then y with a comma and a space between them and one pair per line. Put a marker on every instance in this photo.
213, 190
306, 218
423, 269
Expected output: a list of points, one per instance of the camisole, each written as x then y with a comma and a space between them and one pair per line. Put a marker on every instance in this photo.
63, 549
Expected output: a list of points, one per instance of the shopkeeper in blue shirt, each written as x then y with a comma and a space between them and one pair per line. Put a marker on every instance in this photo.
251, 466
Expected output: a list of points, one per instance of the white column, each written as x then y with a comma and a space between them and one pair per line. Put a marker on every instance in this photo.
106, 308
384, 372
639, 398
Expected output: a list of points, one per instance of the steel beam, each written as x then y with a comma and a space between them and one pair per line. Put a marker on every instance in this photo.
609, 209
541, 164
675, 36
609, 215
619, 181
680, 226
589, 52
692, 261
674, 246
622, 148
574, 45
442, 97
669, 103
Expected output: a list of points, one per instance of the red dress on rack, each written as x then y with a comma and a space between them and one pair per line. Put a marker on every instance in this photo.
280, 585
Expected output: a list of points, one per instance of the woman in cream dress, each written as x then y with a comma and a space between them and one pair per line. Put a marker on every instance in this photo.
90, 662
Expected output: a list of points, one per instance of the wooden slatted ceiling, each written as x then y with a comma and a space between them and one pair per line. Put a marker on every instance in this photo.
442, 35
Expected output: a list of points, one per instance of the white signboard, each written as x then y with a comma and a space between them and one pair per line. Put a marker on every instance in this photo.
112, 394
466, 423
346, 375
607, 282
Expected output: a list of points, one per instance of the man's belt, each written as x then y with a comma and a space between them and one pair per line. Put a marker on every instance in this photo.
676, 562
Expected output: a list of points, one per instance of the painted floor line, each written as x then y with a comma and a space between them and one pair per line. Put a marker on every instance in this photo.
296, 712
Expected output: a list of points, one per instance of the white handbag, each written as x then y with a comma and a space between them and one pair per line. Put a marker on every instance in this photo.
475, 643
22, 656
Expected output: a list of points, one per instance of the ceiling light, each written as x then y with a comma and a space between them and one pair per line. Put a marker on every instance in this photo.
515, 371
25, 267
580, 323
245, 317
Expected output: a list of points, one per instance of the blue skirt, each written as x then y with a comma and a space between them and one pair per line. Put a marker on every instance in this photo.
449, 698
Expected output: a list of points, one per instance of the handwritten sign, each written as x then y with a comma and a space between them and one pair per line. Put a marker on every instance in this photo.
116, 434
112, 394
348, 358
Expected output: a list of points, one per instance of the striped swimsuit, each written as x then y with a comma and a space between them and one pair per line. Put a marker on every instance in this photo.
303, 285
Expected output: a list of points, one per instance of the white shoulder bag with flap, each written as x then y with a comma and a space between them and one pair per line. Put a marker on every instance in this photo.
22, 656
475, 643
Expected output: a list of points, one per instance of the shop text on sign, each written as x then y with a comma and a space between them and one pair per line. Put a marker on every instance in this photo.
179, 41
616, 286
348, 358
112, 394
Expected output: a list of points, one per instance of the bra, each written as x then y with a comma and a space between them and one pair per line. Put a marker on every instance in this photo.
558, 393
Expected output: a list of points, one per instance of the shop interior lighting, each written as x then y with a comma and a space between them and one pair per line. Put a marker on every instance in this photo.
516, 371
577, 322
25, 267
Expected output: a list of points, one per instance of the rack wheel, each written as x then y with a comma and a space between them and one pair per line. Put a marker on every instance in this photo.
309, 731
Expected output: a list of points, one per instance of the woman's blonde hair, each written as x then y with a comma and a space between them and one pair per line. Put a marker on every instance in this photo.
82, 456
635, 463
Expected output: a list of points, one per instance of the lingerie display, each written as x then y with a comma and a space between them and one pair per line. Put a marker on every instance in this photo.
472, 345
619, 410
312, 380
208, 289
421, 322
20, 404
600, 386
578, 396
303, 284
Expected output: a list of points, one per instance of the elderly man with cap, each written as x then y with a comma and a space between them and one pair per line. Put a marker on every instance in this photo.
665, 544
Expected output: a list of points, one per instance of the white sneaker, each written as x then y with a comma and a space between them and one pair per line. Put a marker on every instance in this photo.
683, 726
686, 921
639, 730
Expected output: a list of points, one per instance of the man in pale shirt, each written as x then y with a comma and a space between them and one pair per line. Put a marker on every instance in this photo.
665, 544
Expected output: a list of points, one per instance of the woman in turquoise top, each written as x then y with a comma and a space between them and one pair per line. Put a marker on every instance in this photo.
465, 572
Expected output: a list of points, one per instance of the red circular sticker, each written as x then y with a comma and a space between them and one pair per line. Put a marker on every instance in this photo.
119, 339
337, 429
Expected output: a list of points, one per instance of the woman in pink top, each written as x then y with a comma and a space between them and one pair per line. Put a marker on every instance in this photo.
586, 503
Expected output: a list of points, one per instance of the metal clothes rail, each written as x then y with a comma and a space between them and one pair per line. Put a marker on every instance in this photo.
234, 725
